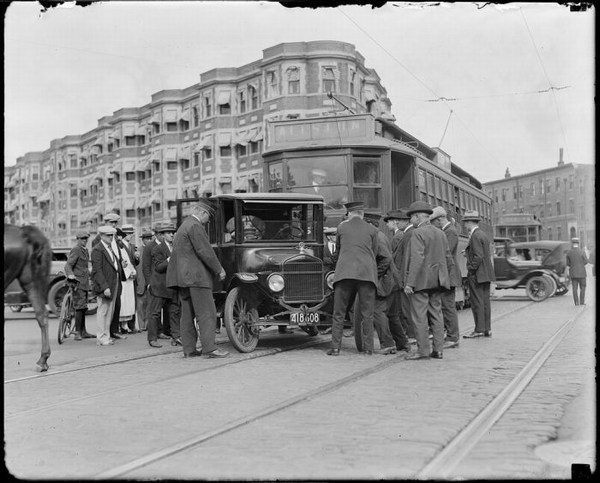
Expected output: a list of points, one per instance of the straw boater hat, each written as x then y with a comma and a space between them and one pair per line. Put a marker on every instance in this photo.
438, 212
319, 172
471, 215
575, 241
419, 207
107, 230
399, 214
127, 229
354, 206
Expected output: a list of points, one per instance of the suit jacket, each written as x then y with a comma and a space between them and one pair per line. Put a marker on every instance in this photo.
78, 264
147, 261
400, 252
385, 266
576, 261
104, 273
356, 246
141, 278
158, 281
479, 261
427, 267
452, 238
193, 263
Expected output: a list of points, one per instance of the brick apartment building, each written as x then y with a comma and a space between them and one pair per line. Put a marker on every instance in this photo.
556, 203
201, 140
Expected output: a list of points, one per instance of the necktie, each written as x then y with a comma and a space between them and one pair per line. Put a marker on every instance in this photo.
114, 257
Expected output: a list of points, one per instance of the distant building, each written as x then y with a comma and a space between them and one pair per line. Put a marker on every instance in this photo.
556, 203
201, 140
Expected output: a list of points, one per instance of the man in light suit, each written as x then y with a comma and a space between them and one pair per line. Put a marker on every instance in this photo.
439, 219
355, 276
106, 282
480, 272
191, 270
576, 261
160, 295
426, 277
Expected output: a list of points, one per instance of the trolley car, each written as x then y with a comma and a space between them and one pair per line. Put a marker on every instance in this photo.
363, 158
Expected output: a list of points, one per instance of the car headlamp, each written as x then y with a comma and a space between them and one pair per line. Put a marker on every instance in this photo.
275, 282
329, 279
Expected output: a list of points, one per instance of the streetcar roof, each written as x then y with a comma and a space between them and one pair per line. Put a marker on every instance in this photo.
270, 197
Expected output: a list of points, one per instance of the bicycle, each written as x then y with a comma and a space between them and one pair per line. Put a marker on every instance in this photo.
66, 318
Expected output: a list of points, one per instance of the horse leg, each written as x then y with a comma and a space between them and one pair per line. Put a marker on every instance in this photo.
38, 301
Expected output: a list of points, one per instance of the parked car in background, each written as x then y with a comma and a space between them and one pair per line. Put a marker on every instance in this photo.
16, 298
540, 267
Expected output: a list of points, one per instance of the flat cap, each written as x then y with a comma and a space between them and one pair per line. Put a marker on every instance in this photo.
419, 207
82, 234
399, 214
167, 228
127, 229
438, 212
355, 205
471, 215
111, 217
107, 230
147, 233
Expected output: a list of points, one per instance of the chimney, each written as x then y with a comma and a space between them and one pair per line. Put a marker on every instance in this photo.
507, 173
560, 157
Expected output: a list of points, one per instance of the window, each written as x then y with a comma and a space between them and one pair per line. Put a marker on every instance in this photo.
73, 160
571, 205
184, 125
73, 191
541, 183
532, 190
254, 147
580, 185
272, 84
253, 93
559, 233
171, 126
352, 82
185, 164
557, 184
549, 209
514, 192
195, 116
504, 194
130, 176
207, 153
242, 150
156, 128
558, 207
130, 213
549, 233
570, 181
196, 160
224, 109
548, 186
225, 151
242, 101
109, 147
328, 76
156, 206
171, 165
156, 166
207, 106
130, 141
293, 77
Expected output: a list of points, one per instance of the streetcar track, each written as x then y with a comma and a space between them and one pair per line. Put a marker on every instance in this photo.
460, 446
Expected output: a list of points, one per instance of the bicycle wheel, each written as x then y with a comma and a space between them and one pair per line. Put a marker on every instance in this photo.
65, 319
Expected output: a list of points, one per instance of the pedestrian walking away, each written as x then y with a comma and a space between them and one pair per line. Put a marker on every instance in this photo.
191, 270
355, 277
576, 261
440, 220
480, 273
159, 294
77, 268
426, 277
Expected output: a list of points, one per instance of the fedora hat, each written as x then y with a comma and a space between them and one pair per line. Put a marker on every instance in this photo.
111, 217
107, 230
147, 233
471, 215
355, 206
207, 205
399, 214
438, 212
82, 234
128, 229
419, 207
167, 228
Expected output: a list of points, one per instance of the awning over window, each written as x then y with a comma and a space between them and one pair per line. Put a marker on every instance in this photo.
155, 119
239, 138
61, 219
171, 115
129, 203
99, 141
171, 194
184, 152
101, 173
223, 97
156, 196
155, 156
129, 131
369, 96
224, 139
171, 154
250, 134
205, 142
185, 116
129, 166
143, 164
99, 209
144, 202
115, 134
258, 136
140, 130
11, 184
47, 196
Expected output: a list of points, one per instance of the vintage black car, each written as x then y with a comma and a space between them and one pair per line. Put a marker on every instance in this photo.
16, 298
539, 267
271, 247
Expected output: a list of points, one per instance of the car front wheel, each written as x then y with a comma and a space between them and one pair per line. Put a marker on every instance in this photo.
239, 314
538, 288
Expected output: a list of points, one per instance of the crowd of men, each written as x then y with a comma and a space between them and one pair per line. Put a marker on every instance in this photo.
404, 288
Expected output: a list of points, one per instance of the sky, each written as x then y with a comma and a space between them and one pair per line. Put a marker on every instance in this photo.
495, 86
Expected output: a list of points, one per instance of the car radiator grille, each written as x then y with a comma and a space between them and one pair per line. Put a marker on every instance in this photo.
303, 281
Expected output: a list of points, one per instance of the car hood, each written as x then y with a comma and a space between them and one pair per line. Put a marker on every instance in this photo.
259, 259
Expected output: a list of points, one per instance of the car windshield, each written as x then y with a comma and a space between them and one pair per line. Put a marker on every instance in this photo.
262, 221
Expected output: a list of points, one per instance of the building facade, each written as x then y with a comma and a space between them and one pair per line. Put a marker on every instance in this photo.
202, 140
558, 203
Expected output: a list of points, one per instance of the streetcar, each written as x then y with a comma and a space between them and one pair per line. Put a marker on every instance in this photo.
358, 157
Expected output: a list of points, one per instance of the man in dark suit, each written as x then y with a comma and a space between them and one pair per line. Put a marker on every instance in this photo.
160, 295
142, 285
576, 261
355, 276
106, 282
77, 268
426, 277
480, 272
439, 219
400, 243
191, 270
397, 221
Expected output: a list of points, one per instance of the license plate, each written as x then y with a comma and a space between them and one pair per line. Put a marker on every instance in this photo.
301, 318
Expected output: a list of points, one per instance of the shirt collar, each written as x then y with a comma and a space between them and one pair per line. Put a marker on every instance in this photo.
473, 229
446, 225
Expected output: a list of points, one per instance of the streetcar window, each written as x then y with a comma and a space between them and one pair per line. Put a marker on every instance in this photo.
366, 171
370, 196
422, 185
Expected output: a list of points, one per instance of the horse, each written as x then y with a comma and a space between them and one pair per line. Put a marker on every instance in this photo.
28, 258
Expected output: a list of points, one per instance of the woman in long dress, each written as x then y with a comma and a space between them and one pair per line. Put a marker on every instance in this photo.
128, 289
